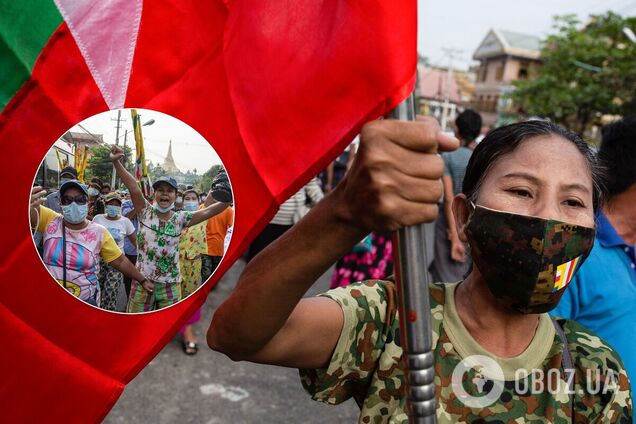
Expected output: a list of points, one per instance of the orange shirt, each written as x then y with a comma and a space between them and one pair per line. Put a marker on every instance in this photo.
216, 229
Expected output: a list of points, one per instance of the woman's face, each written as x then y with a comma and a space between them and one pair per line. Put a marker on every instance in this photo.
165, 195
545, 176
73, 192
190, 197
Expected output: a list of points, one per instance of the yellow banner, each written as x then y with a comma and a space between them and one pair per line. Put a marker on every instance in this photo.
141, 172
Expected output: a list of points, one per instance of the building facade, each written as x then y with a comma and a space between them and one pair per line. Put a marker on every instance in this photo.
443, 93
504, 57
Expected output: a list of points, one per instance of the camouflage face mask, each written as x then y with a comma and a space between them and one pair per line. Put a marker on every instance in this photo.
526, 261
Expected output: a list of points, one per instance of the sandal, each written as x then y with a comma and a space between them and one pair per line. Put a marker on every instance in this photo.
189, 348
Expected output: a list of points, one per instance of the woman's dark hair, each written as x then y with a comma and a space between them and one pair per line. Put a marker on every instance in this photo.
97, 182
503, 140
468, 124
618, 153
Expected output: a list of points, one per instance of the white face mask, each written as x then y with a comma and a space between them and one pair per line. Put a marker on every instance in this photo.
163, 210
92, 191
190, 206
113, 211
75, 213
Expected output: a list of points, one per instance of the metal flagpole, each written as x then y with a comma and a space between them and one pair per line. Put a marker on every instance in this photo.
415, 308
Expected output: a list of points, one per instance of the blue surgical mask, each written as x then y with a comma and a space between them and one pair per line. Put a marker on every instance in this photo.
113, 211
92, 191
163, 210
190, 206
75, 213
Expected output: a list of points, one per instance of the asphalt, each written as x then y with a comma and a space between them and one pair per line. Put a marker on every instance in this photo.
209, 388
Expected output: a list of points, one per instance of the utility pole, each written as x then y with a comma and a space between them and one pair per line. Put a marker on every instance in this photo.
125, 138
452, 54
119, 120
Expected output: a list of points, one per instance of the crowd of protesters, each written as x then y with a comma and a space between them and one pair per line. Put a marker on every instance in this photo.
98, 242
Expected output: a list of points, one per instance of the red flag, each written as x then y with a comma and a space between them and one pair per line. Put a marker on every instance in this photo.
277, 87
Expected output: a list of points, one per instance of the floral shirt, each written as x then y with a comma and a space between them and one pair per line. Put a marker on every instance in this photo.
158, 245
193, 243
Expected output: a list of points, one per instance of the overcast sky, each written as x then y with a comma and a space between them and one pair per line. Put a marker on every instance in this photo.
189, 148
463, 24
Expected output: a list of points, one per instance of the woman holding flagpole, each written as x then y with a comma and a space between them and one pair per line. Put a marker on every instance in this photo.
527, 208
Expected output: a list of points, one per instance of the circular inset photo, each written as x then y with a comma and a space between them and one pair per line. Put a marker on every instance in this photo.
131, 211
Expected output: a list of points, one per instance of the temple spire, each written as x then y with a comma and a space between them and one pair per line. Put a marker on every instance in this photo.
168, 163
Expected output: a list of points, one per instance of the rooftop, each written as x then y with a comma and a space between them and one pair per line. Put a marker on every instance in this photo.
502, 42
433, 82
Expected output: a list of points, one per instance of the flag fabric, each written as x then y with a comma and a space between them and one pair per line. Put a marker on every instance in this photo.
278, 88
141, 172
564, 274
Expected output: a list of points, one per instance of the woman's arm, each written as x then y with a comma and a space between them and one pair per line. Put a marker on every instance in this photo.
133, 238
127, 268
394, 182
132, 214
126, 177
207, 213
37, 194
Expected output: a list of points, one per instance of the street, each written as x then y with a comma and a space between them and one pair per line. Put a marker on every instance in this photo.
209, 388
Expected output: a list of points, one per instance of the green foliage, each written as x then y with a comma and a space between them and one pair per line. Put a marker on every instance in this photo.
155, 171
587, 71
99, 164
205, 183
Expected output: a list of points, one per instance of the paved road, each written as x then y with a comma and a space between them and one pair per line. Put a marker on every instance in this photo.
209, 388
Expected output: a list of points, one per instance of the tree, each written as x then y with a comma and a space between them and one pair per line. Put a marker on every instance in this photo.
99, 164
587, 72
156, 172
206, 181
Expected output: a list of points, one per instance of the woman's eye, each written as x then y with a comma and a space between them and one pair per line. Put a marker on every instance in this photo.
520, 192
574, 203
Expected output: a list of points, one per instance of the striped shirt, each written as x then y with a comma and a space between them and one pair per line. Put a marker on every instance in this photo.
285, 214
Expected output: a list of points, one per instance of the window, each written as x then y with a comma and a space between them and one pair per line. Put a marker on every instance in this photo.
523, 70
500, 72
483, 71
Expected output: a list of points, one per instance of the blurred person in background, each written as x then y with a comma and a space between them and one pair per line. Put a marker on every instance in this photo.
192, 246
602, 294
450, 259
120, 228
130, 249
289, 212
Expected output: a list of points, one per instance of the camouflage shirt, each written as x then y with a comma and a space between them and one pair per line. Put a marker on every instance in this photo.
366, 365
